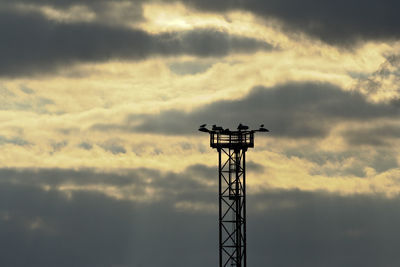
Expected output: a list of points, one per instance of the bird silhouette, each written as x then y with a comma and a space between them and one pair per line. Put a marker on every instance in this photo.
203, 129
262, 126
217, 128
242, 127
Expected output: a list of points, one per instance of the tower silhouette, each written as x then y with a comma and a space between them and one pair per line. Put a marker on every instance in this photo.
232, 147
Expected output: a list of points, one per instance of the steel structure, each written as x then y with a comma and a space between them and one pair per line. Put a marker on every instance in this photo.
232, 147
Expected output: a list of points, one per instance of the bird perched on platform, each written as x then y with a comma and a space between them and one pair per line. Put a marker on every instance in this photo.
203, 128
242, 127
217, 128
262, 129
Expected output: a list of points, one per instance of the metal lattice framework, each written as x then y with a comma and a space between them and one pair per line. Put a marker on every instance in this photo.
232, 207
232, 147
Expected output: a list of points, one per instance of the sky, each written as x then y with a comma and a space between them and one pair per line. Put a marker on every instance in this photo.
101, 163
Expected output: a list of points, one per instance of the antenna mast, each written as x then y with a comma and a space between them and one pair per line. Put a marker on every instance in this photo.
232, 147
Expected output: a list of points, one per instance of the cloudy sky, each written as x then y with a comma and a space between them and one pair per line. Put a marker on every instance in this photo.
102, 163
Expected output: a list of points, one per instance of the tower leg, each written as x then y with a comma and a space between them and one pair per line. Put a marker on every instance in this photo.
220, 205
238, 216
232, 220
244, 256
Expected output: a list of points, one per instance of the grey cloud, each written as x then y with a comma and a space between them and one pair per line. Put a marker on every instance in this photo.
145, 148
47, 228
284, 228
313, 229
202, 171
27, 90
168, 185
107, 12
336, 163
186, 145
62, 3
189, 67
255, 167
43, 101
31, 44
85, 145
28, 102
336, 22
18, 141
114, 148
58, 146
380, 135
395, 102
54, 178
289, 110
384, 79
5, 93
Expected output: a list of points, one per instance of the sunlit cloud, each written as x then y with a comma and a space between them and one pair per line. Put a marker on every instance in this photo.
100, 103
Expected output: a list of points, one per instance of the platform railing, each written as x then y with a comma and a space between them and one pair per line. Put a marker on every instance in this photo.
232, 139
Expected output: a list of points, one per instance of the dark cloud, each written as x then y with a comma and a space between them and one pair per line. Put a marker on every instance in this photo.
284, 228
69, 3
395, 102
316, 229
47, 228
63, 3
351, 162
381, 135
289, 110
106, 12
255, 167
336, 22
31, 44
202, 171
168, 185
55, 178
